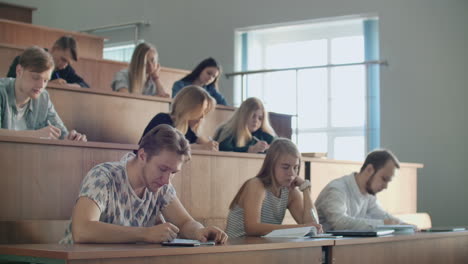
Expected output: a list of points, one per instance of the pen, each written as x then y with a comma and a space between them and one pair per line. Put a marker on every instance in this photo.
161, 218
254, 137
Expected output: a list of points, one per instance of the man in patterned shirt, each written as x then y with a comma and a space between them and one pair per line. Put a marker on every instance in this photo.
120, 202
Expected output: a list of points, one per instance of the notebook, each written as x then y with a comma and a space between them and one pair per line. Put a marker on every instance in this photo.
445, 229
296, 232
187, 243
399, 229
365, 233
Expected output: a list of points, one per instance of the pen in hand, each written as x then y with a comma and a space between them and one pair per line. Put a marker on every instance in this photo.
161, 218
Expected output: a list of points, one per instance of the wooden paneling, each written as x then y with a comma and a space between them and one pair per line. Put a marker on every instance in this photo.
98, 73
400, 196
16, 12
244, 250
402, 249
32, 231
106, 116
44, 178
23, 34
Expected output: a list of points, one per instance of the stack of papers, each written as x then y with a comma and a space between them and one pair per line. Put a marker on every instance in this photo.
399, 229
296, 232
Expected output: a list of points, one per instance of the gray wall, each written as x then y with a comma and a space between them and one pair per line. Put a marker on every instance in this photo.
423, 90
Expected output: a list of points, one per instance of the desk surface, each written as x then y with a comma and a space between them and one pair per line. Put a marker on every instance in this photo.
245, 246
447, 247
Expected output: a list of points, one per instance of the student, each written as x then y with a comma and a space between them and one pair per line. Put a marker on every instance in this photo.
142, 75
205, 75
63, 52
260, 205
25, 106
120, 202
350, 203
189, 108
248, 130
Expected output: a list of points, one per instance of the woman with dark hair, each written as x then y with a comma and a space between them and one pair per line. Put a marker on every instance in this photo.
204, 75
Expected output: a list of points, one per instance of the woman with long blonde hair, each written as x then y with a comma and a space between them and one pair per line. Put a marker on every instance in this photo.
188, 110
248, 130
261, 203
142, 75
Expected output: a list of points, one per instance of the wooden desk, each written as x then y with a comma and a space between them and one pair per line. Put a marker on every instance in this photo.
418, 248
243, 250
24, 34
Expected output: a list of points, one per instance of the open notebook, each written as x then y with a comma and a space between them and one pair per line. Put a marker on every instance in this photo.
296, 232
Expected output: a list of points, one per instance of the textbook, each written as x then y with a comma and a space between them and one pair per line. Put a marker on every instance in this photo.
296, 232
399, 229
445, 229
366, 233
178, 242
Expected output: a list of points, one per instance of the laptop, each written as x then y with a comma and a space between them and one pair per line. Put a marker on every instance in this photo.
362, 233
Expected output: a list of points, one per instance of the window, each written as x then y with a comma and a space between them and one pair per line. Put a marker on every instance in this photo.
330, 105
119, 52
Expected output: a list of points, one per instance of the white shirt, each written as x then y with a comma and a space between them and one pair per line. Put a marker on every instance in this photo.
20, 120
341, 205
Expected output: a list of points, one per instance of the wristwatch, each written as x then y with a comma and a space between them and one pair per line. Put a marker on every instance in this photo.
304, 185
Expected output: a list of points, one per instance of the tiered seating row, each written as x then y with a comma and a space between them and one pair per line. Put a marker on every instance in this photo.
24, 34
46, 186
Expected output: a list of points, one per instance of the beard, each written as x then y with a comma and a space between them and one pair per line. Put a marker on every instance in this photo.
368, 185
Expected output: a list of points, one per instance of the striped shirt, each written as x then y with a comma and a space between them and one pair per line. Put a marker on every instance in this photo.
273, 211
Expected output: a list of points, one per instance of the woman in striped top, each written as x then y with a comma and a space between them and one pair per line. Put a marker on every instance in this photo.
260, 205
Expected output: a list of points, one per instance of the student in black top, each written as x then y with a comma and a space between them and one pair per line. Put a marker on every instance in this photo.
248, 130
189, 108
63, 51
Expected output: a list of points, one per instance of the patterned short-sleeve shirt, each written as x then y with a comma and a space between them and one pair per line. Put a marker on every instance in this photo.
108, 186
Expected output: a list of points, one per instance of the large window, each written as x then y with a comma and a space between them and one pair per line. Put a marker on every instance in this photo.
329, 104
119, 52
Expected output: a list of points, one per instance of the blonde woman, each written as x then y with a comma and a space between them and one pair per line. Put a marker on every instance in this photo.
142, 75
189, 108
260, 205
248, 130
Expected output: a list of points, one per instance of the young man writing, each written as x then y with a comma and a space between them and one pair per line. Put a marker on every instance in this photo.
25, 106
121, 202
350, 203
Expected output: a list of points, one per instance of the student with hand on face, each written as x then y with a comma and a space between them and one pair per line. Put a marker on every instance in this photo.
63, 52
25, 106
143, 73
261, 203
248, 130
205, 75
188, 110
350, 203
121, 202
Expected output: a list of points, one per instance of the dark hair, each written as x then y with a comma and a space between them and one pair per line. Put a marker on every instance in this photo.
378, 159
209, 62
67, 43
165, 137
36, 59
